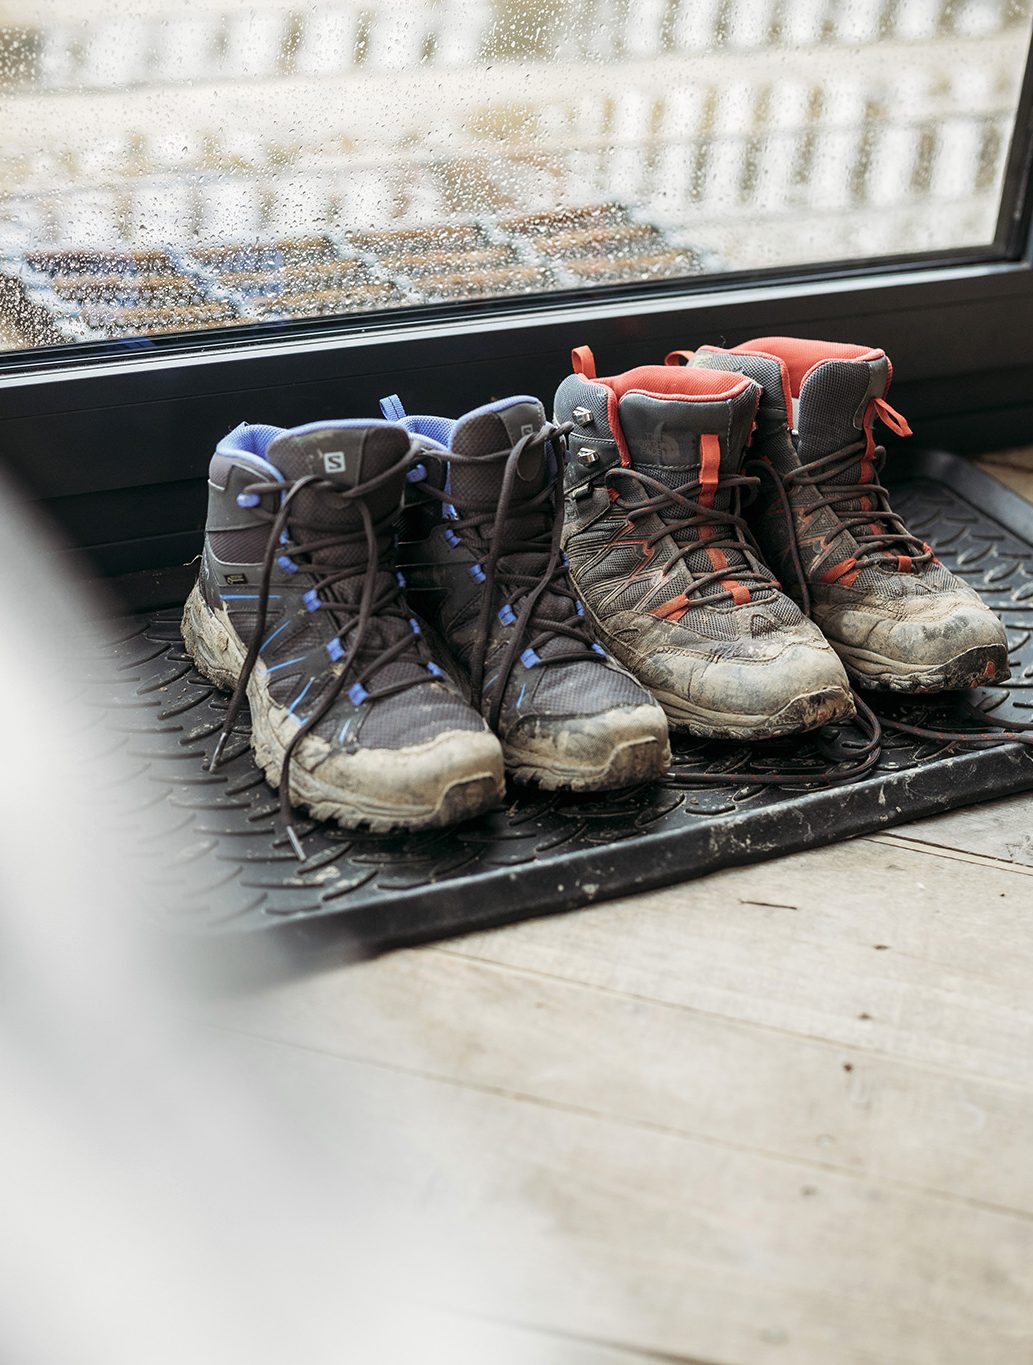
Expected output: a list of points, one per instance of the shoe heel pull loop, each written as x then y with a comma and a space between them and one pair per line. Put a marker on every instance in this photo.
391, 407
676, 357
583, 361
892, 418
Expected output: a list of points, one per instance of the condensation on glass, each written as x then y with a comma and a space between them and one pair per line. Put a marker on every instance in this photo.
167, 169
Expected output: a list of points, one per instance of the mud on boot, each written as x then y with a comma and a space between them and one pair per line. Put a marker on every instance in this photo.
664, 562
298, 607
480, 550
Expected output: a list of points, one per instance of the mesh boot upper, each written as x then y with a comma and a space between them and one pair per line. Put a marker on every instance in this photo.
666, 425
314, 596
448, 538
837, 388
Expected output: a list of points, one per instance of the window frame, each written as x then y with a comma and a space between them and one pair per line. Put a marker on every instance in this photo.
116, 437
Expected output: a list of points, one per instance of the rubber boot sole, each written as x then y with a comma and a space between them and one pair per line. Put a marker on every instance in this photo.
809, 711
980, 666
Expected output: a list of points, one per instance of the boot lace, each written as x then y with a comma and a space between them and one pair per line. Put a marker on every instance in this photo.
717, 527
878, 532
507, 565
379, 598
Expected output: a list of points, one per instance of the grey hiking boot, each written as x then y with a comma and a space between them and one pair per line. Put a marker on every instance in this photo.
897, 618
480, 550
663, 560
298, 606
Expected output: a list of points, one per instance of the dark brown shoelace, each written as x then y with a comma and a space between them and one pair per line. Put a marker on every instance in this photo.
522, 587
821, 474
728, 529
849, 756
349, 625
849, 751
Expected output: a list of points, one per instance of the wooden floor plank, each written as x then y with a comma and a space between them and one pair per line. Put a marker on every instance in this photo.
480, 1342
892, 950
1013, 468
602, 1231
1001, 830
668, 1067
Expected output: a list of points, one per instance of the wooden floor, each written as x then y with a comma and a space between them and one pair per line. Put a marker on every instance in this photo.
780, 1114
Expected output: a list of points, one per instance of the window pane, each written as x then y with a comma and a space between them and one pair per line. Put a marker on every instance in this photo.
228, 163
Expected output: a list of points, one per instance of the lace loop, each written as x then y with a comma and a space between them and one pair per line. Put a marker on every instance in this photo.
497, 528
380, 597
719, 528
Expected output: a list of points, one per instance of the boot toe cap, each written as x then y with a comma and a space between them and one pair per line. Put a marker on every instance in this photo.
619, 747
801, 687
937, 643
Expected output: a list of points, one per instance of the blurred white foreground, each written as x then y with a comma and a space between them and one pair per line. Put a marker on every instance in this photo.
173, 1192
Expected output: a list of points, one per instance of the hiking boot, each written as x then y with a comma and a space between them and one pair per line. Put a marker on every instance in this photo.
663, 561
298, 606
897, 618
480, 550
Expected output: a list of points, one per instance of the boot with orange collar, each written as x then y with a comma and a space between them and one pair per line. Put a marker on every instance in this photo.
663, 561
897, 618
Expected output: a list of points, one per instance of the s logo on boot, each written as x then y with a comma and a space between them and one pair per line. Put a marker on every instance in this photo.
333, 461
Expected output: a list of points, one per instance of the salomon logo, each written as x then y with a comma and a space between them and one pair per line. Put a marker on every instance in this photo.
333, 461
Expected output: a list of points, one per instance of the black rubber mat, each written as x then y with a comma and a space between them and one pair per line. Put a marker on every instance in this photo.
229, 872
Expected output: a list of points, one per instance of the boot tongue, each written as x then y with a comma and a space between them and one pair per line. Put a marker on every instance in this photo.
486, 431
667, 433
675, 440
343, 454
834, 400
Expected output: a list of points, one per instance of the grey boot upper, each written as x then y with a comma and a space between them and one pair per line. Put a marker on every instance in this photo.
872, 586
660, 553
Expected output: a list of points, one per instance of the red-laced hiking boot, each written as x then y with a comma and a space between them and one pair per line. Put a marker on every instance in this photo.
897, 618
664, 562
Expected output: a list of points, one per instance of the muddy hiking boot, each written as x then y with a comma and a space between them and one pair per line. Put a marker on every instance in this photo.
664, 562
897, 618
298, 607
480, 551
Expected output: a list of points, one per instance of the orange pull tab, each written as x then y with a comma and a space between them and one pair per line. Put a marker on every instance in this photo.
892, 418
676, 357
583, 360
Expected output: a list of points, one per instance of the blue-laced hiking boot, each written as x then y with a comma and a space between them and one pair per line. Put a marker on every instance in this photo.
664, 562
896, 616
298, 606
480, 550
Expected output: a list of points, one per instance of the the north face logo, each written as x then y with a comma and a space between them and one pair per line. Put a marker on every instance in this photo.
333, 461
669, 448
